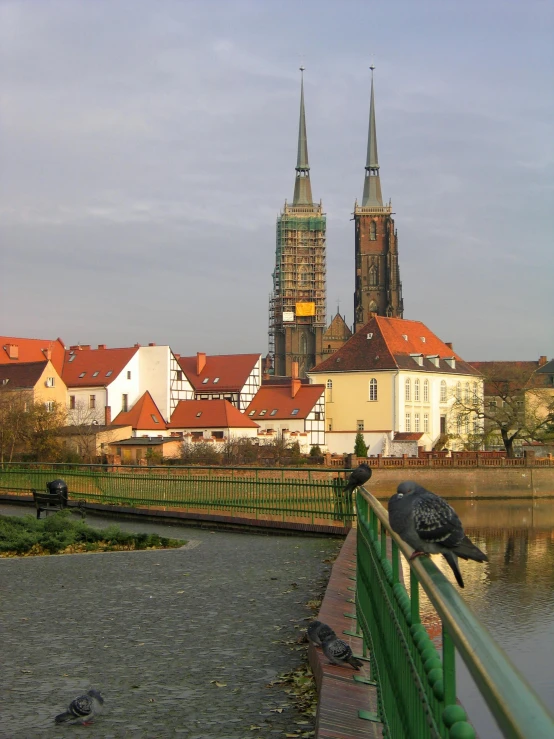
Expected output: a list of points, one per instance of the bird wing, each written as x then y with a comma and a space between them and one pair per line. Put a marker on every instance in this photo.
81, 706
339, 649
436, 521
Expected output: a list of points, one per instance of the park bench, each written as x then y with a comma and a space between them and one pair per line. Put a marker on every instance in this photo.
48, 502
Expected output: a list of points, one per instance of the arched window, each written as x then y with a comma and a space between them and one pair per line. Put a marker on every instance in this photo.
408, 422
443, 391
467, 392
372, 230
426, 423
475, 393
408, 390
458, 390
416, 390
416, 422
425, 391
373, 389
373, 275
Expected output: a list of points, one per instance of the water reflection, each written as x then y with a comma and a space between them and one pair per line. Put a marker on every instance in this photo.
512, 594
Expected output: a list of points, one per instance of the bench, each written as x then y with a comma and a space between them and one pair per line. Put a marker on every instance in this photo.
48, 502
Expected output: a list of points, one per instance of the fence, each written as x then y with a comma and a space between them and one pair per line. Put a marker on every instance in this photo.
453, 461
417, 688
301, 495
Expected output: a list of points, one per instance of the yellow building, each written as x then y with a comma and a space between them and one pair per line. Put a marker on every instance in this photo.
395, 382
39, 380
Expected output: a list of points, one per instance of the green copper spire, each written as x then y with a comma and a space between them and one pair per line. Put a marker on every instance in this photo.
302, 186
372, 183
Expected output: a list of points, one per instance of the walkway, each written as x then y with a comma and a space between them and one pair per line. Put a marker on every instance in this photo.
155, 630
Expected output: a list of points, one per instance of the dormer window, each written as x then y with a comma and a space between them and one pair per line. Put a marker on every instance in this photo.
417, 358
405, 337
369, 336
451, 362
434, 359
422, 338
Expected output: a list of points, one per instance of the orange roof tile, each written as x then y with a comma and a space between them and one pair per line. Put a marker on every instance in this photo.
392, 343
209, 414
31, 350
230, 370
276, 401
95, 367
143, 415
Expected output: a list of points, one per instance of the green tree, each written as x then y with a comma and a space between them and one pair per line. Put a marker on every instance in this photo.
360, 447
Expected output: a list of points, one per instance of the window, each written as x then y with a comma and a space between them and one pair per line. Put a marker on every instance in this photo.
408, 390
50, 382
216, 379
274, 411
118, 451
475, 393
217, 434
458, 390
262, 413
459, 425
317, 416
154, 418
92, 401
330, 384
329, 391
443, 391
71, 402
425, 391
294, 411
360, 425
109, 373
408, 422
426, 423
179, 375
373, 389
467, 398
416, 422
198, 414
252, 413
372, 231
128, 374
124, 402
492, 405
49, 405
95, 374
71, 358
82, 374
205, 380
416, 389
466, 424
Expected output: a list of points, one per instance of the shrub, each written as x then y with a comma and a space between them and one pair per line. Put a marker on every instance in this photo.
360, 447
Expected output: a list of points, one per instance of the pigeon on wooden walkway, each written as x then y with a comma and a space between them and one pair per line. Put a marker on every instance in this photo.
83, 709
338, 652
430, 525
358, 477
318, 631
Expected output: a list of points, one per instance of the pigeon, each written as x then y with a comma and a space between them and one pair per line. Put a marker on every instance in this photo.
338, 652
318, 631
83, 709
431, 526
357, 477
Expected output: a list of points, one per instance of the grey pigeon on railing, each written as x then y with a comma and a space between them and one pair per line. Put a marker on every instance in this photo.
358, 477
83, 709
338, 652
318, 631
431, 526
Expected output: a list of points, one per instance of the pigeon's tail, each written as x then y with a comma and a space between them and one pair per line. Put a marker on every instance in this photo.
61, 718
356, 664
466, 549
452, 560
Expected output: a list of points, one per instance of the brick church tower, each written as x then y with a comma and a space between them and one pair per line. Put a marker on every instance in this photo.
378, 286
297, 303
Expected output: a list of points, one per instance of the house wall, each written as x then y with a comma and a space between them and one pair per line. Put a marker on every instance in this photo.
251, 386
342, 442
158, 369
56, 394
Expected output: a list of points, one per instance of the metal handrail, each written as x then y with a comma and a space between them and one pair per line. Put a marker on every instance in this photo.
516, 707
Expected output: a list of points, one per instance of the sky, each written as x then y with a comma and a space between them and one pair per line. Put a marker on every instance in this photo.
147, 148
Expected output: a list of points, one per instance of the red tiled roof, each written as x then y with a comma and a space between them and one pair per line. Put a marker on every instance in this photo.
22, 375
511, 377
279, 398
143, 415
407, 436
231, 369
92, 361
32, 350
389, 343
209, 414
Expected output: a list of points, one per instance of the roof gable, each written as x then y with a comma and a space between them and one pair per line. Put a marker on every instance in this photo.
21, 376
394, 343
15, 349
143, 415
223, 372
337, 329
95, 367
209, 414
276, 401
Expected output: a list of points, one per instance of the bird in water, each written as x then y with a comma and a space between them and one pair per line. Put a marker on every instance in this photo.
358, 477
430, 525
82, 710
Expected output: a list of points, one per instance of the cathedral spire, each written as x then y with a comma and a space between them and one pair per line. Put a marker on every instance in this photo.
302, 186
372, 183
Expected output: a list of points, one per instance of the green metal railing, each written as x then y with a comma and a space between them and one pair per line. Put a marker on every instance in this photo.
301, 494
417, 685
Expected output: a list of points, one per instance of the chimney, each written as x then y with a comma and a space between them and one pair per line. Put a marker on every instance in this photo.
200, 362
294, 370
542, 361
137, 346
13, 351
101, 346
449, 345
295, 383
107, 415
177, 356
152, 343
84, 346
75, 348
47, 353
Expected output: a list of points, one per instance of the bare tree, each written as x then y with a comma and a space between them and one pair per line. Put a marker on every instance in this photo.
83, 426
517, 406
28, 428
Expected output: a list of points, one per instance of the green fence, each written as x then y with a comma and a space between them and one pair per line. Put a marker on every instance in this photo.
302, 495
416, 684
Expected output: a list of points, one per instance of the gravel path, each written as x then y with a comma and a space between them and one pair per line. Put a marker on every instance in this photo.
154, 631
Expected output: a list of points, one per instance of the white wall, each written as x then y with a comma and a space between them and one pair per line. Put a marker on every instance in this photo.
340, 442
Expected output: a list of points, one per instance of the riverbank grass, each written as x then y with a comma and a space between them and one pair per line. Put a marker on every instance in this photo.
62, 534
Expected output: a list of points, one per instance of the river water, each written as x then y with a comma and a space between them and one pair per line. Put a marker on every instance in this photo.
512, 594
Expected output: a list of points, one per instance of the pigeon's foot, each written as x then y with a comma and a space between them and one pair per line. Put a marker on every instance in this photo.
417, 554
